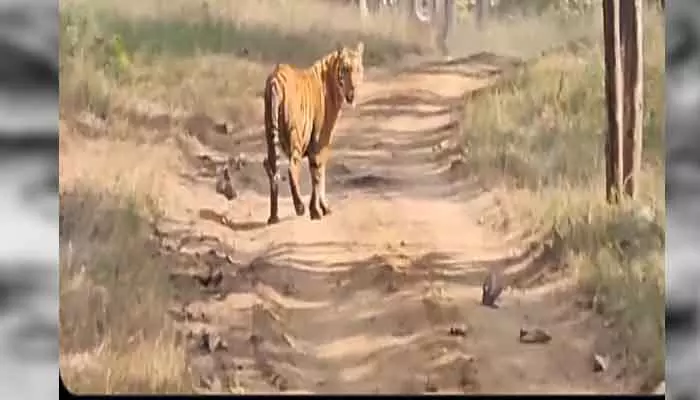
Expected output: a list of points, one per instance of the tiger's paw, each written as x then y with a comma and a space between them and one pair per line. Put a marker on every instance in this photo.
325, 209
299, 209
315, 215
273, 219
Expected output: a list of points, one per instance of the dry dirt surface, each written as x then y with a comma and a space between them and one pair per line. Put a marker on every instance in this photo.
383, 295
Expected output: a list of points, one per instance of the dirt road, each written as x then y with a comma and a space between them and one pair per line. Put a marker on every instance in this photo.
383, 295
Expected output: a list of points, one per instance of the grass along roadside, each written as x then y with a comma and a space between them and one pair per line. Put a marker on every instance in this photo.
540, 136
210, 56
115, 333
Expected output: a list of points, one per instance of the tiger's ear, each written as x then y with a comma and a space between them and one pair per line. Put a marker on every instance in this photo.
360, 47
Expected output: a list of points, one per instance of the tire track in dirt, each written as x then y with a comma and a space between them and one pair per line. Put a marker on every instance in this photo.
382, 295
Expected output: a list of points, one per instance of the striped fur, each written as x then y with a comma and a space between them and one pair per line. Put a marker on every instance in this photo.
302, 107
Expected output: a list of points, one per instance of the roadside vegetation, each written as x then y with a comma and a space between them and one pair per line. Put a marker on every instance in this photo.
539, 137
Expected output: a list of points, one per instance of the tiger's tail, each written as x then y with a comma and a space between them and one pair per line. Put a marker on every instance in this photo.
273, 104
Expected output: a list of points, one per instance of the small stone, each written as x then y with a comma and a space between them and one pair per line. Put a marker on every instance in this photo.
239, 161
224, 185
661, 389
457, 164
177, 312
491, 289
598, 305
600, 363
205, 342
216, 276
534, 336
255, 340
458, 330
217, 343
203, 317
585, 303
430, 386
223, 127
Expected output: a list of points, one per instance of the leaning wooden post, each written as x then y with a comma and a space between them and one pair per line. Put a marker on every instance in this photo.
631, 31
613, 97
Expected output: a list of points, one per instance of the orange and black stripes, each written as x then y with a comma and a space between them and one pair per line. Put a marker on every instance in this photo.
301, 109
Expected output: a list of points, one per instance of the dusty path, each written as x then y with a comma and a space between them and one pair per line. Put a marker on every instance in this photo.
364, 300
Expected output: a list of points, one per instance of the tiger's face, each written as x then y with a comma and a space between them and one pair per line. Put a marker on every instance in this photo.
350, 71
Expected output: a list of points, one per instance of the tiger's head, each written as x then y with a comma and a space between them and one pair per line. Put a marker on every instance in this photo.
350, 71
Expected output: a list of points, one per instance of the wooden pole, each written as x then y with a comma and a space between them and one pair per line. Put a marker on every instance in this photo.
631, 31
613, 96
623, 83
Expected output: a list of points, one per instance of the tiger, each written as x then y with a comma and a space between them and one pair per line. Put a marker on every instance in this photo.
302, 107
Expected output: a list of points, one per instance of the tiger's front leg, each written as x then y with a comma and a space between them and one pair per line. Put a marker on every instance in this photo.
315, 201
318, 205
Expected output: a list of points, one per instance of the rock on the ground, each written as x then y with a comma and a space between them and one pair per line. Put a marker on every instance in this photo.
534, 335
661, 389
600, 363
458, 330
491, 288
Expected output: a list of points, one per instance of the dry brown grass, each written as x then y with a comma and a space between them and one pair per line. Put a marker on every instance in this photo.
525, 29
539, 137
124, 60
115, 333
210, 56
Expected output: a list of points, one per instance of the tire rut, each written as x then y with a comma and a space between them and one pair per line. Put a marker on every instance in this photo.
256, 317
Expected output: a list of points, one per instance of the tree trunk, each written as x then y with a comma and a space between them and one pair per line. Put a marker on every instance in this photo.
623, 83
631, 31
613, 92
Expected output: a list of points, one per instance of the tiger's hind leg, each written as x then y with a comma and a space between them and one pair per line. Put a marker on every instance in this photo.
314, 202
270, 165
294, 169
323, 200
